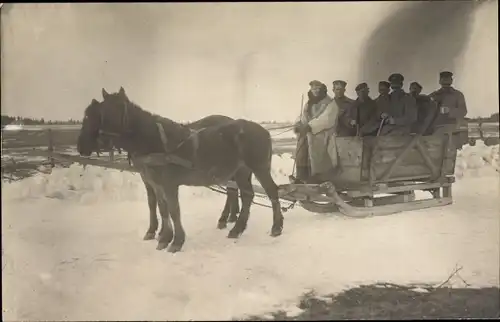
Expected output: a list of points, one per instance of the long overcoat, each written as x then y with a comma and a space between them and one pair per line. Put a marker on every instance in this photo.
322, 118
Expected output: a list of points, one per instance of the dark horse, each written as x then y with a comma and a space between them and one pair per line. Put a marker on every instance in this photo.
212, 155
231, 207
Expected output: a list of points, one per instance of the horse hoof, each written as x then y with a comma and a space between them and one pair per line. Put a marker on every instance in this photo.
149, 236
174, 248
221, 225
276, 232
233, 234
232, 219
161, 246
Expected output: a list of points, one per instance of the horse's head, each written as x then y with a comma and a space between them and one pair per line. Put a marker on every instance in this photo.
104, 120
88, 140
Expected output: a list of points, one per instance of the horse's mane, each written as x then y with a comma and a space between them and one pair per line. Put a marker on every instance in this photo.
166, 122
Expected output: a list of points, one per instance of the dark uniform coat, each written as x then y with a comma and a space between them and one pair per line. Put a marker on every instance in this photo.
455, 101
383, 103
426, 115
367, 116
403, 109
346, 115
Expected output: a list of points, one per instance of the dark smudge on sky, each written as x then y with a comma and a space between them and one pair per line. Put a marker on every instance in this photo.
418, 40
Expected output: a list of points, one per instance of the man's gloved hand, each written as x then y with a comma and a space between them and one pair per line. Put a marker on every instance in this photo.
384, 115
444, 110
352, 122
296, 128
305, 128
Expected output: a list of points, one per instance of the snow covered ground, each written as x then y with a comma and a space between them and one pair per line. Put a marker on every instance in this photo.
73, 248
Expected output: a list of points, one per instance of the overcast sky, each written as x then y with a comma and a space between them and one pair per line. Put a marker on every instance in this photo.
185, 61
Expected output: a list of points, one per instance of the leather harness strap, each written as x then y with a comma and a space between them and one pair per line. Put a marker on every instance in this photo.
163, 136
174, 158
196, 144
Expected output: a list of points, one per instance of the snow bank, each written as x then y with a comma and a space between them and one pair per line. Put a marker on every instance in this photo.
477, 161
78, 183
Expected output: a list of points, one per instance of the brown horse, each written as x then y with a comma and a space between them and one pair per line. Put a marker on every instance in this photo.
212, 155
231, 207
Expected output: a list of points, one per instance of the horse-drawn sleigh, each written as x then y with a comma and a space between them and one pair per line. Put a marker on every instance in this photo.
379, 176
218, 150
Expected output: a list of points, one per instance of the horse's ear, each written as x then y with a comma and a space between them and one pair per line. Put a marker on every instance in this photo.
94, 101
122, 92
104, 93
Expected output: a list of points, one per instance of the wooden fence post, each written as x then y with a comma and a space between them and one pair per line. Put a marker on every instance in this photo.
111, 155
51, 147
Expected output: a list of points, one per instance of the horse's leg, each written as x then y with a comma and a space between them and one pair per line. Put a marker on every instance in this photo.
171, 195
243, 180
234, 206
166, 233
232, 195
267, 182
164, 214
153, 219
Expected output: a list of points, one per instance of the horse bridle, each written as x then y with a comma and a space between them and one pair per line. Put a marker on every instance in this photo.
124, 123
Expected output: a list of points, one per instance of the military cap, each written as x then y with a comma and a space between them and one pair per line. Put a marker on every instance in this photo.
416, 83
340, 82
361, 86
396, 77
386, 84
315, 83
445, 74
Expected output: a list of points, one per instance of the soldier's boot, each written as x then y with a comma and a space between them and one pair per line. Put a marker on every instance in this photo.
302, 175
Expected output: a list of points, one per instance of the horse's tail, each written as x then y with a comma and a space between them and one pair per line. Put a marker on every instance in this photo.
270, 150
254, 155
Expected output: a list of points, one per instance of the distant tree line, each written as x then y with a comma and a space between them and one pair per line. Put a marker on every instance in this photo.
34, 121
492, 118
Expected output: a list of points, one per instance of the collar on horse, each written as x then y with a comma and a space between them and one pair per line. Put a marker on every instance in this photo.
171, 157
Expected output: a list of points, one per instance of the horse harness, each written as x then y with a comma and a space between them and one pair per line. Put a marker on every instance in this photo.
168, 156
171, 157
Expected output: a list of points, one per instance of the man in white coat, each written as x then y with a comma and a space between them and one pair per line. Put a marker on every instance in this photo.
317, 129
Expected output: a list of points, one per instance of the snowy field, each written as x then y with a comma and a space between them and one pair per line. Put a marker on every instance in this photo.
73, 248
